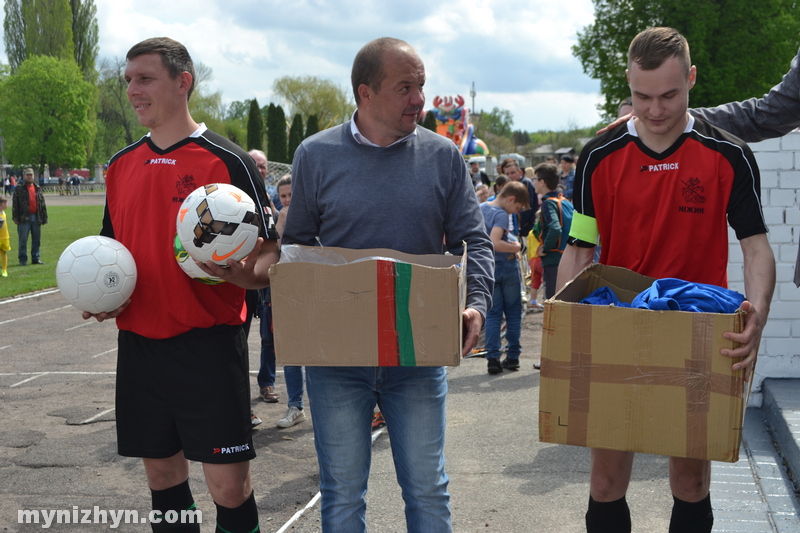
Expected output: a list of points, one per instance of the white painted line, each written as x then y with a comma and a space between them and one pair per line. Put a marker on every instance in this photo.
293, 520
87, 323
35, 314
95, 417
34, 295
103, 353
4, 347
38, 375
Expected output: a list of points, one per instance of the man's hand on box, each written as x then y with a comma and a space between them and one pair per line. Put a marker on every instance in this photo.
749, 339
473, 322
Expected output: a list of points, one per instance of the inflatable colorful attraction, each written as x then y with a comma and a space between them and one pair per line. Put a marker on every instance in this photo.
452, 121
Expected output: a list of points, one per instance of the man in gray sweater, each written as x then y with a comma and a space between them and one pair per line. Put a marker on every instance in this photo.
378, 181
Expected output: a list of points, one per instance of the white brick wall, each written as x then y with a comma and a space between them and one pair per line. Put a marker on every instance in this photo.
779, 163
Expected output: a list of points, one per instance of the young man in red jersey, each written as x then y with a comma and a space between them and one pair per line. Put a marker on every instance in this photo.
182, 368
659, 192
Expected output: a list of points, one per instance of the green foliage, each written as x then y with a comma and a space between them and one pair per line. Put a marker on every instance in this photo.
14, 33
255, 127
429, 121
85, 35
66, 224
718, 32
276, 135
45, 113
312, 126
497, 122
238, 110
295, 135
310, 95
58, 28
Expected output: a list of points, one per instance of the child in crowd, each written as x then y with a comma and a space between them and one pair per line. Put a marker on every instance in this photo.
293, 374
5, 238
535, 262
501, 180
482, 192
506, 298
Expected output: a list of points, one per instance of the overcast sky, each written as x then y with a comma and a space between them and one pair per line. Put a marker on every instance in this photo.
516, 51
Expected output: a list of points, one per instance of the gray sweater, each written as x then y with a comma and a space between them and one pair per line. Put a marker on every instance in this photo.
405, 197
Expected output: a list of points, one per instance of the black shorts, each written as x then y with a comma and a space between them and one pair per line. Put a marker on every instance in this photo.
190, 392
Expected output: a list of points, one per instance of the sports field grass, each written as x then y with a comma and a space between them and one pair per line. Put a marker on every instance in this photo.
65, 224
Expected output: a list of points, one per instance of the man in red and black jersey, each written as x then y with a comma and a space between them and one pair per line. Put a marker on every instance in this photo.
659, 191
182, 369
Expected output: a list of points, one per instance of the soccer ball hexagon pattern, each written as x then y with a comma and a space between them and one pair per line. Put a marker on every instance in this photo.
218, 222
189, 267
96, 274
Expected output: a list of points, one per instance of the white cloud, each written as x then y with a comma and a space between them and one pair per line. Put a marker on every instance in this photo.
516, 51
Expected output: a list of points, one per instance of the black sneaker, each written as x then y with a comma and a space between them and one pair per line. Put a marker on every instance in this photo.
493, 366
510, 364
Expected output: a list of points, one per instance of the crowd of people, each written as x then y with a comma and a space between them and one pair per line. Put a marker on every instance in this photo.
548, 219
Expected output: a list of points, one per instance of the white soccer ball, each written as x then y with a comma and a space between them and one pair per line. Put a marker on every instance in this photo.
218, 222
96, 274
189, 267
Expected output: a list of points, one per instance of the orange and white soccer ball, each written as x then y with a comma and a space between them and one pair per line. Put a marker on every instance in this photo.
96, 274
218, 222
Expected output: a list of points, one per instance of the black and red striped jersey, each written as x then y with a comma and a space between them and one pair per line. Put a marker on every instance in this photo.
667, 214
145, 187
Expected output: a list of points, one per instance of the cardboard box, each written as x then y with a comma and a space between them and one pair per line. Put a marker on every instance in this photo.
635, 379
378, 308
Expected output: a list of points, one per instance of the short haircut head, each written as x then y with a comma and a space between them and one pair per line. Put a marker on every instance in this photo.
286, 180
548, 173
174, 56
518, 191
368, 64
653, 46
509, 161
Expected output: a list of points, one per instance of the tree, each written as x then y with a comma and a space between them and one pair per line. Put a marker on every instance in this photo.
238, 110
57, 28
45, 113
85, 35
255, 127
312, 126
497, 122
310, 95
429, 121
718, 32
295, 136
276, 135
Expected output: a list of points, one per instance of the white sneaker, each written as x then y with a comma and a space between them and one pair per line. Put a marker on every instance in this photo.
294, 415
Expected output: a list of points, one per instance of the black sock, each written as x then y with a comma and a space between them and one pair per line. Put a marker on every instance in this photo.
243, 519
177, 499
608, 517
691, 517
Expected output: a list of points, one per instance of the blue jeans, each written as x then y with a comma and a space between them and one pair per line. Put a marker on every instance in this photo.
267, 370
33, 228
294, 385
412, 400
506, 299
